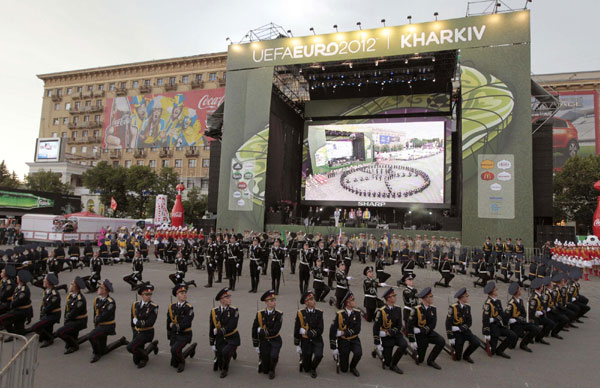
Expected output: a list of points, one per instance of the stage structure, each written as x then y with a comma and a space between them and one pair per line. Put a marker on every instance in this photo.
433, 116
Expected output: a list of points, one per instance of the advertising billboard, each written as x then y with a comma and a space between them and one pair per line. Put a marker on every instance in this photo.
174, 119
47, 150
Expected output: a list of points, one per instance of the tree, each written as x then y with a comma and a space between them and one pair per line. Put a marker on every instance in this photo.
109, 182
140, 181
574, 195
194, 206
7, 179
46, 181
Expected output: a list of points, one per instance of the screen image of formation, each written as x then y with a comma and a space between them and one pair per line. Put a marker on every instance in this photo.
391, 162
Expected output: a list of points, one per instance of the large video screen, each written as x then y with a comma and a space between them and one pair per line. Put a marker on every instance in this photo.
391, 163
47, 150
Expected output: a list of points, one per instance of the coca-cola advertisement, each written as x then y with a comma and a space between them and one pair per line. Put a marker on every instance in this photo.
174, 119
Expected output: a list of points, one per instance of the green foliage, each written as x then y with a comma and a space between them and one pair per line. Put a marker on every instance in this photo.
109, 182
140, 180
574, 194
46, 181
194, 206
7, 179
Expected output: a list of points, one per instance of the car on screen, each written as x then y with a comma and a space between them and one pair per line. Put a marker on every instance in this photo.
564, 136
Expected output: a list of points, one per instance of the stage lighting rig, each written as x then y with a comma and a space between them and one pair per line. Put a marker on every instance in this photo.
290, 32
312, 30
383, 22
335, 27
359, 24
436, 16
409, 17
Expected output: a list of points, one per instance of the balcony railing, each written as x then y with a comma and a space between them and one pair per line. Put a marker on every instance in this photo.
196, 84
169, 87
121, 91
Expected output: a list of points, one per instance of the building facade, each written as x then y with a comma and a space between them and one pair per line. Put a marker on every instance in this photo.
74, 105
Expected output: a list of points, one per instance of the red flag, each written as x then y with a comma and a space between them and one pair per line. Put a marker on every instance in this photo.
113, 204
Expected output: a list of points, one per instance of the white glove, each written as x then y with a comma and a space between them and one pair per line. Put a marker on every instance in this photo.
573, 299
491, 320
488, 338
349, 277
325, 269
414, 345
383, 284
452, 341
339, 333
258, 330
214, 348
548, 309
417, 330
336, 352
135, 321
539, 313
382, 333
298, 349
380, 348
257, 350
511, 321
258, 268
302, 331
455, 328
215, 331
237, 266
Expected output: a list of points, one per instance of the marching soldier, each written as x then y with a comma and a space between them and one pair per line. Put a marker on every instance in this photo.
265, 334
481, 271
92, 281
409, 296
255, 254
304, 266
371, 302
421, 329
549, 300
104, 321
210, 253
179, 328
320, 288
445, 270
487, 248
137, 265
20, 306
387, 332
277, 257
517, 318
343, 335
341, 284
223, 333
143, 317
181, 267
308, 332
538, 313
495, 323
232, 256
380, 264
347, 254
458, 327
331, 263
75, 316
293, 248
49, 311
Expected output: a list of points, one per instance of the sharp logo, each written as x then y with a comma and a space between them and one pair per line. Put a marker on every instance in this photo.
372, 204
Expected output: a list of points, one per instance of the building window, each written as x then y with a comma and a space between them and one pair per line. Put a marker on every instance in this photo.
177, 163
128, 163
95, 149
97, 132
90, 88
152, 163
84, 133
88, 103
74, 135
101, 87
154, 149
147, 83
99, 103
140, 162
56, 106
49, 93
54, 134
86, 118
165, 163
224, 73
205, 163
135, 84
55, 121
159, 82
65, 120
212, 77
59, 92
116, 163
185, 79
84, 150
190, 184
192, 163
111, 87
171, 80
206, 146
123, 84
79, 89
63, 134
75, 119
198, 77
77, 105
73, 150
129, 150
97, 118
178, 148
204, 185
67, 106
93, 163
69, 91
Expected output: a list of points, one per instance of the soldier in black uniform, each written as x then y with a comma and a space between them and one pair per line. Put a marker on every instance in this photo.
277, 256
92, 281
304, 266
49, 311
293, 248
143, 317
7, 287
265, 248
331, 262
495, 323
387, 332
517, 318
446, 272
408, 266
507, 254
343, 335
75, 316
181, 267
255, 255
219, 257
347, 254
538, 313
421, 329
88, 253
265, 334
135, 279
104, 321
573, 293
481, 271
129, 251
458, 327
487, 248
380, 264
371, 302
211, 251
341, 285
179, 328
308, 334
74, 254
232, 250
552, 312
223, 332
320, 288
144, 249
409, 296
569, 310
20, 309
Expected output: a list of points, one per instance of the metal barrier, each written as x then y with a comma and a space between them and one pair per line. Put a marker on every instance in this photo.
18, 360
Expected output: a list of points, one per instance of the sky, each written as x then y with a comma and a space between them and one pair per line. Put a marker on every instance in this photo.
41, 36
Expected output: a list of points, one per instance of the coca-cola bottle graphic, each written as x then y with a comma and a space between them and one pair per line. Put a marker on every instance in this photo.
177, 213
118, 131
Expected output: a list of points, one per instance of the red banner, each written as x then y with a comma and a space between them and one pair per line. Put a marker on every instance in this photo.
113, 204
